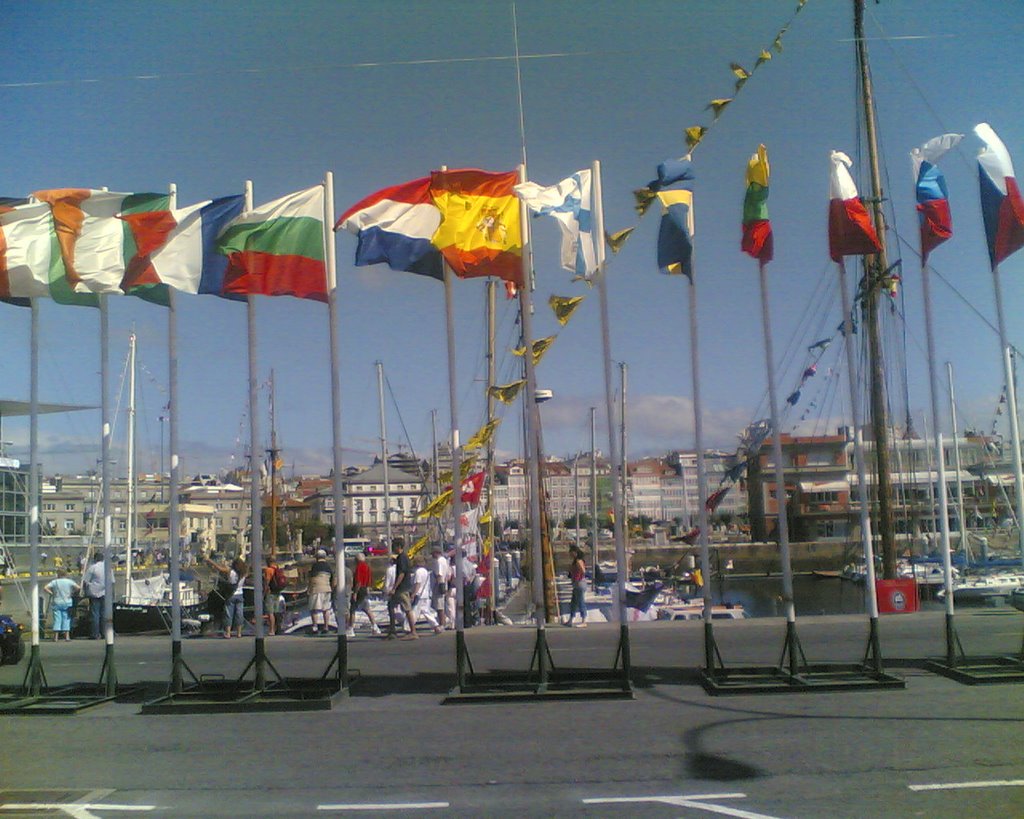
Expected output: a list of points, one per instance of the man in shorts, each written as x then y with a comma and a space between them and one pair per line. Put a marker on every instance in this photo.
320, 590
401, 597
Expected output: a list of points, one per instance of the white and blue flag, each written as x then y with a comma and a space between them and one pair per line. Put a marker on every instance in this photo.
569, 203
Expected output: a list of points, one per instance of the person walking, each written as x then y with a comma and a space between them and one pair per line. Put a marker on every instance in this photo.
62, 593
320, 589
578, 577
440, 582
94, 583
401, 597
421, 608
362, 579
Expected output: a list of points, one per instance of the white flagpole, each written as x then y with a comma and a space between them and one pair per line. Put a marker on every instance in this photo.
858, 454
254, 484
34, 676
337, 484
532, 440
933, 387
617, 465
780, 475
109, 670
173, 525
1006, 352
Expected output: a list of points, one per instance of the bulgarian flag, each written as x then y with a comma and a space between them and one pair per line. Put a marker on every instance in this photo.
480, 232
31, 263
757, 230
278, 249
850, 232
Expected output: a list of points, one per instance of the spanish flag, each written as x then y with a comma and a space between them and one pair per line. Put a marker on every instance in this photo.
480, 232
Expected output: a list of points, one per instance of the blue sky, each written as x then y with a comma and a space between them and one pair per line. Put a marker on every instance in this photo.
136, 95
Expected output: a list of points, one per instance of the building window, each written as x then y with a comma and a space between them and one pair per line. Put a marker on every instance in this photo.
69, 525
69, 507
50, 507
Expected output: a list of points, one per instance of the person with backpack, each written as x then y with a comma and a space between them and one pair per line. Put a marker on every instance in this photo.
274, 582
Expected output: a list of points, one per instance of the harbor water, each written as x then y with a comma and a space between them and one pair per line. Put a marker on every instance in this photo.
761, 596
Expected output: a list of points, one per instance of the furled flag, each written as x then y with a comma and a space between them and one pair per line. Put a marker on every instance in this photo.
177, 248
395, 227
932, 195
278, 249
850, 232
1001, 204
31, 263
569, 203
564, 307
850, 228
95, 245
675, 236
757, 230
480, 232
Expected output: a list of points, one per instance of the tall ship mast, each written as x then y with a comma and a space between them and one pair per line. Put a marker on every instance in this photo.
876, 268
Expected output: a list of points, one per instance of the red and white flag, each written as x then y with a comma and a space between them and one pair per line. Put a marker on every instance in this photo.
850, 232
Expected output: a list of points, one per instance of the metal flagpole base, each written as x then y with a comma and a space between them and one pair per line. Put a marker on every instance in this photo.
108, 673
873, 652
975, 669
542, 657
35, 677
462, 660
792, 651
177, 665
623, 653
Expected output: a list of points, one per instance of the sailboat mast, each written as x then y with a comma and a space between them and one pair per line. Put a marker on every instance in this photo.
384, 454
874, 267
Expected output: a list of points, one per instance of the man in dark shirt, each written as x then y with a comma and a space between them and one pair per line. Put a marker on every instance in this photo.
401, 597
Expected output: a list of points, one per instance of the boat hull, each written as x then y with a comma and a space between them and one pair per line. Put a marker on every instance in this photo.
134, 618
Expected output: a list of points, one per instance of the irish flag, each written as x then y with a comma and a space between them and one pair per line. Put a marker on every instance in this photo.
757, 230
278, 248
480, 232
850, 232
31, 263
95, 244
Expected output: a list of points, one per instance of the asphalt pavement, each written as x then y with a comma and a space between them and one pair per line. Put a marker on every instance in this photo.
936, 748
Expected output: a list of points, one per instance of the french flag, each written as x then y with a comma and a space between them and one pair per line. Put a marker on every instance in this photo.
850, 232
1001, 205
932, 194
395, 226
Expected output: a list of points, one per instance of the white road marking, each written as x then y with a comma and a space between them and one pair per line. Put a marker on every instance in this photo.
385, 806
696, 801
78, 810
950, 786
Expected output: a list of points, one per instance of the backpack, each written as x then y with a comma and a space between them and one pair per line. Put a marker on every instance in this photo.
278, 580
